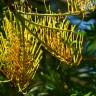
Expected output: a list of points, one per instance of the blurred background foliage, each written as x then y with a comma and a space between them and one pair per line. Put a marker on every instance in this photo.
54, 78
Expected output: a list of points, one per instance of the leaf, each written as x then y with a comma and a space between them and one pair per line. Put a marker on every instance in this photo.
34, 89
88, 94
43, 94
92, 47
